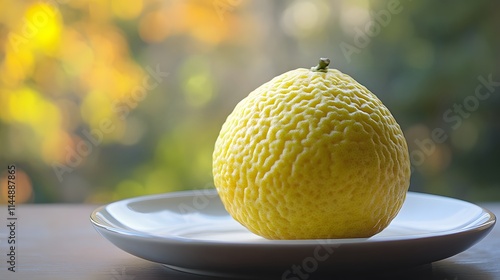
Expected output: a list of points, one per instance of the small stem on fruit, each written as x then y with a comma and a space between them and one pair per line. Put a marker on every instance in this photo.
322, 65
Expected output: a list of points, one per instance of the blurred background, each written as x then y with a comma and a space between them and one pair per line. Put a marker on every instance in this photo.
104, 100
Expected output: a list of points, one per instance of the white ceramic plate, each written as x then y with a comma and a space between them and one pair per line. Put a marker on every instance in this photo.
191, 231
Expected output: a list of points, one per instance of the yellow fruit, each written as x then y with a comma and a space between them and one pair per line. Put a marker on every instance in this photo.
312, 154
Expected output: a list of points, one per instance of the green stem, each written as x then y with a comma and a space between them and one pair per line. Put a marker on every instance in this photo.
322, 65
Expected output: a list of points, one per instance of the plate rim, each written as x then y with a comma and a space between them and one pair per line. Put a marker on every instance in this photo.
484, 226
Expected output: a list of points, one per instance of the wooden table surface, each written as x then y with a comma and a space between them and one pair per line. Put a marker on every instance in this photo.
57, 241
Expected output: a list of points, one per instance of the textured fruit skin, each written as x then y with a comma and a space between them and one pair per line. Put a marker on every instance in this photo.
311, 155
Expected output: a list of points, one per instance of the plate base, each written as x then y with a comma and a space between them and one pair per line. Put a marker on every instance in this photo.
421, 272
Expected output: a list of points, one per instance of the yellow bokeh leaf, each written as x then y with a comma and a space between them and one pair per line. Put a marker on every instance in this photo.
130, 10
42, 26
17, 66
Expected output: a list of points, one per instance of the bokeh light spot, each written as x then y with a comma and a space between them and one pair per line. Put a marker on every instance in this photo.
21, 182
301, 18
154, 27
45, 23
128, 10
199, 90
354, 14
466, 136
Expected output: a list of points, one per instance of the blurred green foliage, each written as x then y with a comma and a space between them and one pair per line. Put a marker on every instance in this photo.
106, 100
